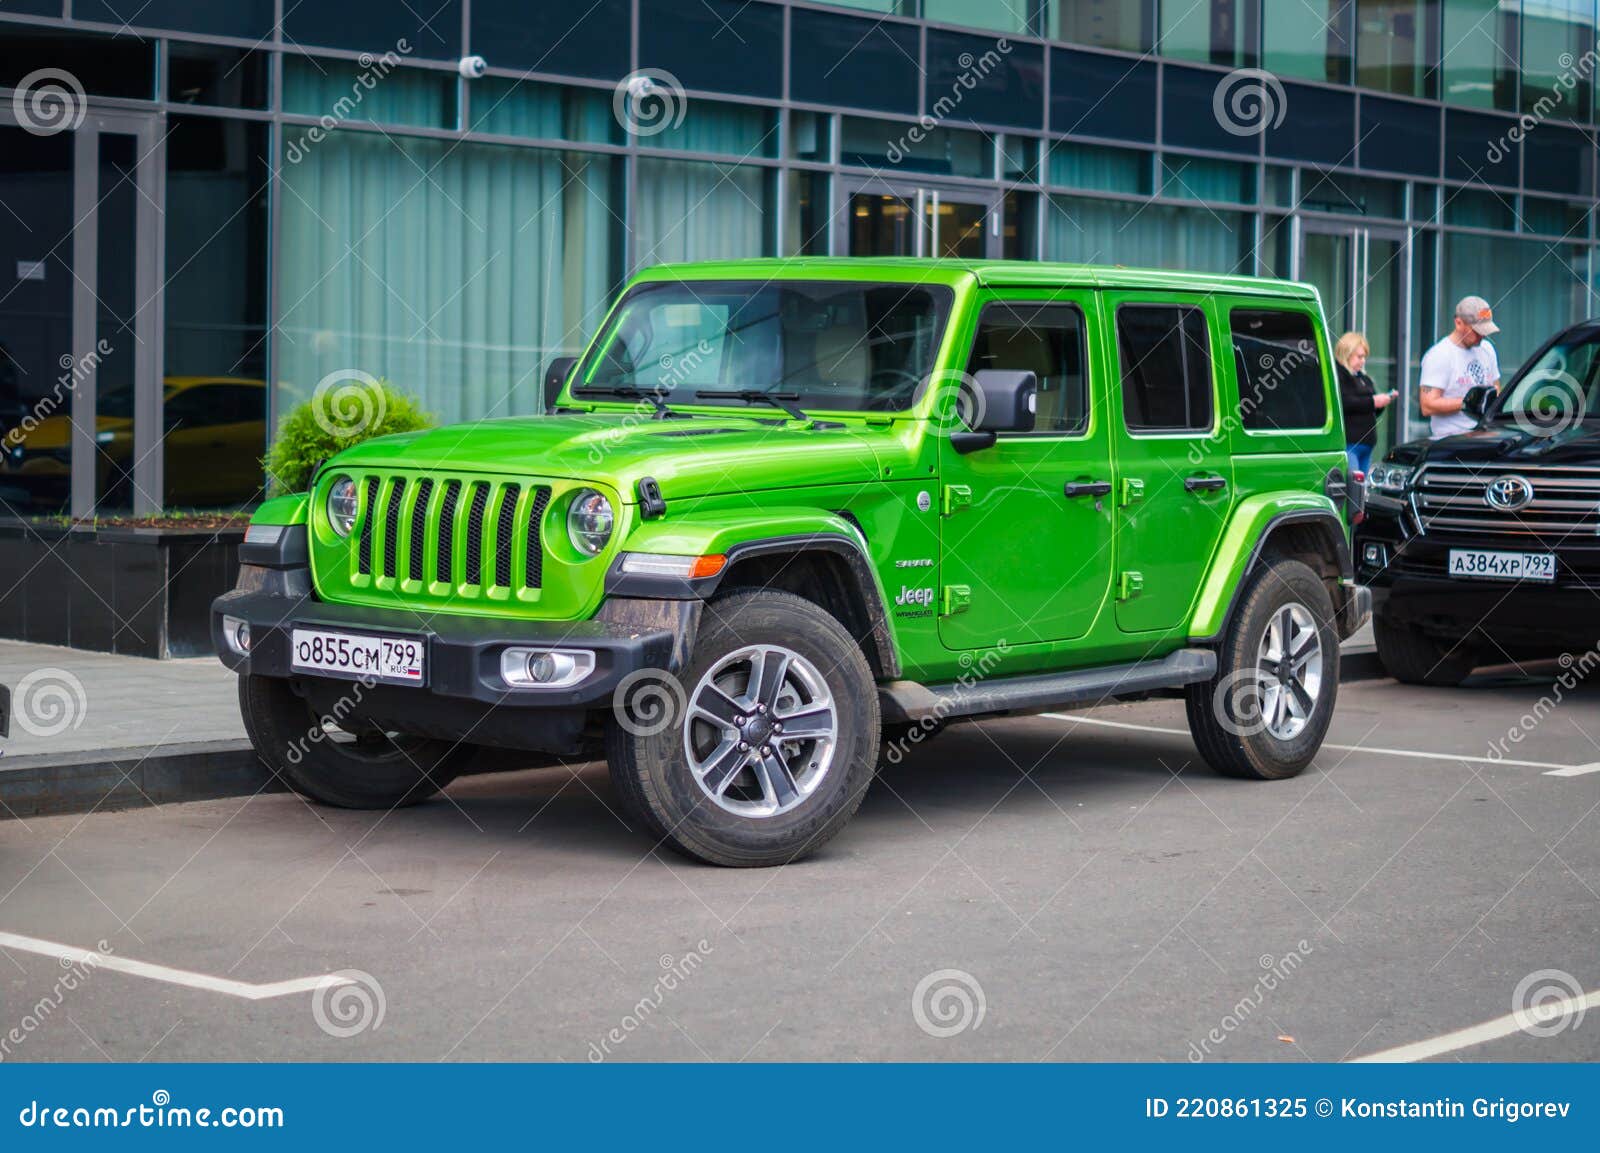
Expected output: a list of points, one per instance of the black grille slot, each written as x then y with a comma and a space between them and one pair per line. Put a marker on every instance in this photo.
391, 527
364, 553
533, 574
419, 530
474, 566
505, 528
447, 530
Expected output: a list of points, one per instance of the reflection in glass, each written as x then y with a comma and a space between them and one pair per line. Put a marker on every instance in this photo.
1555, 36
1397, 45
1128, 25
1310, 39
1221, 32
1480, 53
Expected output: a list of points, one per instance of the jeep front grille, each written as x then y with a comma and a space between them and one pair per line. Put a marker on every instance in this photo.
451, 532
1451, 498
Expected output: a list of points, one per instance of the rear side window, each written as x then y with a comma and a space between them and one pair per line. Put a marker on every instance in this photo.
1048, 341
1280, 371
1166, 368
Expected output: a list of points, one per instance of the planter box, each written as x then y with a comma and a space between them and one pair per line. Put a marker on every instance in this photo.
140, 591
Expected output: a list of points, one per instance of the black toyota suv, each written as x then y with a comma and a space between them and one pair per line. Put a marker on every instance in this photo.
1484, 547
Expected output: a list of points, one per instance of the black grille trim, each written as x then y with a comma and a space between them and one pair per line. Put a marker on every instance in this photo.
419, 531
364, 553
447, 531
474, 558
533, 572
504, 530
391, 527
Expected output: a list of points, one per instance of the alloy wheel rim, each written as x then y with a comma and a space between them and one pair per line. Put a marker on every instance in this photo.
1289, 670
760, 731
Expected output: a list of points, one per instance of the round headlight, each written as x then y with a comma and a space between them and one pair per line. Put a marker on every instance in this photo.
342, 505
589, 522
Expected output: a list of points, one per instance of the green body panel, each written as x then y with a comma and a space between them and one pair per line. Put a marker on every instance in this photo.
1030, 579
291, 509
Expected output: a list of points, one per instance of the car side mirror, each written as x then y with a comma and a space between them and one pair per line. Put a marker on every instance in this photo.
555, 379
1476, 402
992, 401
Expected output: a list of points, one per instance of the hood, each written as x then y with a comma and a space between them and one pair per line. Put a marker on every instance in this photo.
1504, 442
691, 456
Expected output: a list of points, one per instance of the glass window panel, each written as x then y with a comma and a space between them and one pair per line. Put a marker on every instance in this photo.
836, 59
1556, 35
431, 30
1310, 40
811, 136
1128, 25
382, 92
741, 130
116, 309
1221, 32
1141, 234
1481, 147
1280, 187
697, 211
1049, 341
1317, 125
1188, 119
1554, 217
1107, 96
1557, 159
1165, 353
1279, 368
213, 75
104, 65
1019, 157
1201, 178
250, 18
714, 45
459, 287
890, 145
1399, 136
1474, 209
573, 39
1019, 226
808, 210
985, 80
1480, 53
1002, 17
1356, 195
543, 111
1397, 45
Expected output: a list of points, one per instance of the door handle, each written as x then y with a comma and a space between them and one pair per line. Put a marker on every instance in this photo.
1205, 483
1086, 488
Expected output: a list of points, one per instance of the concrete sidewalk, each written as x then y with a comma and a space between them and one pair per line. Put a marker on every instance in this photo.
95, 730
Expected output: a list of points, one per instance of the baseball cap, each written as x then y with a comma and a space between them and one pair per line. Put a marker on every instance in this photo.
1474, 311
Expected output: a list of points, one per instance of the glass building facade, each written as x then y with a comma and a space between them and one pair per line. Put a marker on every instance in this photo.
240, 200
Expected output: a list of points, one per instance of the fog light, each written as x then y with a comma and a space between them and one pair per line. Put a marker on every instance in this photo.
237, 633
525, 668
1374, 554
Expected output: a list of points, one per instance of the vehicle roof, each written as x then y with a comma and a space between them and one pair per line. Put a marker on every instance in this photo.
1019, 273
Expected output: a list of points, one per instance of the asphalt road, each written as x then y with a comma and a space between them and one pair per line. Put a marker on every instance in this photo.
1059, 890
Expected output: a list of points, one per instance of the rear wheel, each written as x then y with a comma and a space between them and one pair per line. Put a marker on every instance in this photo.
768, 741
1265, 713
360, 769
1413, 657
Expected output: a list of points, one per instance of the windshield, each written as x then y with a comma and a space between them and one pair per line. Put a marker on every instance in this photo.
832, 346
1560, 387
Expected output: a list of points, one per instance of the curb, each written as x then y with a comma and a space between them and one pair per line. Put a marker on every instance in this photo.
50, 784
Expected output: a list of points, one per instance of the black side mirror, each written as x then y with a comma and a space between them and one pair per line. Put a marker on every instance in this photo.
992, 401
1476, 402
555, 379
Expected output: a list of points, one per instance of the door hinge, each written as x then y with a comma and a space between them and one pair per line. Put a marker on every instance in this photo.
1132, 490
956, 599
1129, 585
956, 497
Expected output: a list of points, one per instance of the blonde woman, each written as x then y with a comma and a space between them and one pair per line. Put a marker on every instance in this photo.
1360, 399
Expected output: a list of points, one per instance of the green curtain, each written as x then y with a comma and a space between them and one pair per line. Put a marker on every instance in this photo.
1101, 169
1140, 234
697, 211
456, 271
382, 92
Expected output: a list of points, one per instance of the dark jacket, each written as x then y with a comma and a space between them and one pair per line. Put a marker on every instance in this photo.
1356, 393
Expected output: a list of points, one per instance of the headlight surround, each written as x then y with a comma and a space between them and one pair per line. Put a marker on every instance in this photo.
342, 505
1393, 479
589, 522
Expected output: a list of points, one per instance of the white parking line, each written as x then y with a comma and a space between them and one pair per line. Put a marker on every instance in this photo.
1557, 770
1566, 1009
92, 959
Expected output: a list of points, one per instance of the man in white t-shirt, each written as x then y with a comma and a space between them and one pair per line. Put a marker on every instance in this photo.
1461, 361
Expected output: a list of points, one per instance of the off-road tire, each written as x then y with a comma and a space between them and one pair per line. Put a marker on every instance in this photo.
1233, 741
380, 773
1412, 657
651, 769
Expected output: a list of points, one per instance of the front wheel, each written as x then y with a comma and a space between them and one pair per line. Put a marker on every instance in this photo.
764, 747
1265, 713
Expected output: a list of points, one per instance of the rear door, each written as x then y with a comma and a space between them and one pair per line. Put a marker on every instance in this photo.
1174, 467
1026, 531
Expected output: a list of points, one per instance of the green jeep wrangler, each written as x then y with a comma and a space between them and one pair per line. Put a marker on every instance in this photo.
782, 513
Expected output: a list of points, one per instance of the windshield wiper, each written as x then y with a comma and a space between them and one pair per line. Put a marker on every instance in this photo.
783, 400
656, 397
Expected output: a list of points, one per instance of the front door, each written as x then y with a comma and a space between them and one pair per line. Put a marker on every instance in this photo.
895, 219
1025, 535
80, 400
1174, 468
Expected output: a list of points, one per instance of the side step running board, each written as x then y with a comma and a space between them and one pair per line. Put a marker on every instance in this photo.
910, 701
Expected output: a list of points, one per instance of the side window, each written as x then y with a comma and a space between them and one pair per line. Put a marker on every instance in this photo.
1047, 340
1280, 370
1166, 368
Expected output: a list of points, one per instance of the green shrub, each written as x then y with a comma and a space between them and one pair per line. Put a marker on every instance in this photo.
344, 411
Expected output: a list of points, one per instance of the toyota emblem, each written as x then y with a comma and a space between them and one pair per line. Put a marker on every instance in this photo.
1508, 493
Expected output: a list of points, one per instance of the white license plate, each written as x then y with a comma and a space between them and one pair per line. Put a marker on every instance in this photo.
1491, 565
398, 660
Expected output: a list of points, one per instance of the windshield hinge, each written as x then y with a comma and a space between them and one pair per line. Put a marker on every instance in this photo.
651, 503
